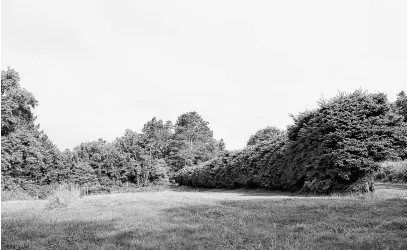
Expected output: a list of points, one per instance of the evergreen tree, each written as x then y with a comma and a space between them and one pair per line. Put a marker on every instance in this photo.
401, 105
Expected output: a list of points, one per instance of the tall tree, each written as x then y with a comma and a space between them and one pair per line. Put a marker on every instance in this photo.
192, 129
221, 145
28, 157
16, 103
192, 142
157, 135
401, 105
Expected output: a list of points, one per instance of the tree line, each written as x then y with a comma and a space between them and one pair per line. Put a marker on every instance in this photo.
31, 162
336, 147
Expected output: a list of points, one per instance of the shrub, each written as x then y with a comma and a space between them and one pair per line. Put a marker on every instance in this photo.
64, 195
392, 171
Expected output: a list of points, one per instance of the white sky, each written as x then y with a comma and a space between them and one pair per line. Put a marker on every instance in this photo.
100, 67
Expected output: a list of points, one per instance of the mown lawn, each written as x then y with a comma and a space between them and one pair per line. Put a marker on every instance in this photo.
183, 218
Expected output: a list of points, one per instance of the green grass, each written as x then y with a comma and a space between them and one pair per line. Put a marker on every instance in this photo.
184, 218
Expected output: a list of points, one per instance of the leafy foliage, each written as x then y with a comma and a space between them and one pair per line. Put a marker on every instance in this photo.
334, 148
16, 104
255, 166
28, 158
263, 135
192, 142
157, 135
401, 105
103, 166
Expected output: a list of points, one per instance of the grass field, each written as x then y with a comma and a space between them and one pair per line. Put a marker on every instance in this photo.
184, 218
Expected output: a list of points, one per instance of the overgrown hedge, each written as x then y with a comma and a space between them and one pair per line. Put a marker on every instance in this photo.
335, 148
255, 166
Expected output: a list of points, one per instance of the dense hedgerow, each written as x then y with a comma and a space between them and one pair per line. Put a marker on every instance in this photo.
255, 166
335, 148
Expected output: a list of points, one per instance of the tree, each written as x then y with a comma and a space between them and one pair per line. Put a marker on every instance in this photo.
16, 103
401, 105
83, 174
192, 142
28, 157
133, 158
97, 155
157, 135
221, 145
192, 129
266, 134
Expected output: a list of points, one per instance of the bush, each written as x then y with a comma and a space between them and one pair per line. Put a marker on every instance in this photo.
335, 148
64, 195
392, 171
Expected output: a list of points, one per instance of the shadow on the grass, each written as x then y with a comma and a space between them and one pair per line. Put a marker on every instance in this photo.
239, 191
274, 193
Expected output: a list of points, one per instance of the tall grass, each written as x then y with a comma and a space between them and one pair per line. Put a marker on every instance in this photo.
64, 195
393, 171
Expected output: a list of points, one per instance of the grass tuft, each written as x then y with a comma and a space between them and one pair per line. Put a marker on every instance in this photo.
64, 195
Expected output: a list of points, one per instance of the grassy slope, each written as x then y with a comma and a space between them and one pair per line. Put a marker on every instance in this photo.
211, 219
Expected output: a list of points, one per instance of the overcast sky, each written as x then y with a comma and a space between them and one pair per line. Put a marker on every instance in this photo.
100, 67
